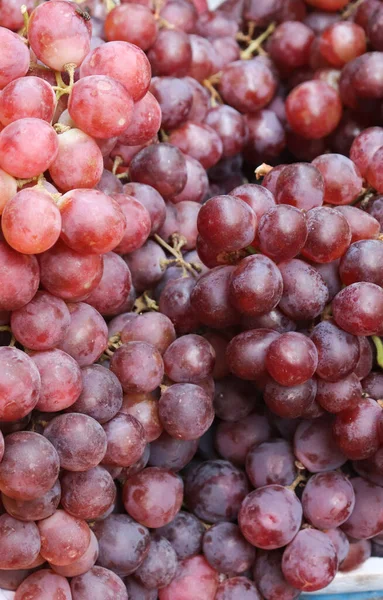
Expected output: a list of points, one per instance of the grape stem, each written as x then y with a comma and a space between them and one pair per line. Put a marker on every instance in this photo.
24, 12
351, 8
299, 479
215, 98
256, 45
262, 170
379, 350
60, 128
145, 303
179, 241
61, 88
116, 163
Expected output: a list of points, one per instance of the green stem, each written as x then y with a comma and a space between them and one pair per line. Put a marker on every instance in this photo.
379, 350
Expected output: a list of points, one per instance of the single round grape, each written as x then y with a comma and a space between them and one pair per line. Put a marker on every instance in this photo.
97, 234
270, 517
87, 336
360, 263
292, 401
83, 564
27, 97
271, 462
200, 141
355, 429
145, 265
30, 466
144, 407
214, 491
63, 538
171, 53
197, 183
315, 447
291, 359
99, 584
175, 98
342, 179
237, 588
266, 136
43, 585
33, 510
313, 109
289, 45
338, 351
328, 500
123, 543
27, 147
233, 441
300, 185
122, 61
202, 62
246, 353
89, 494
137, 591
366, 519
181, 14
138, 366
367, 76
282, 232
310, 562
340, 395
162, 166
233, 399
185, 411
145, 123
270, 579
175, 303
20, 384
160, 565
229, 124
185, 534
358, 308
340, 541
226, 550
153, 497
194, 578
79, 440
68, 274
342, 42
363, 226
359, 552
364, 147
125, 440
167, 452
154, 328
189, 359
247, 86
114, 288
133, 23
305, 293
210, 298
15, 56
20, 543
329, 235
256, 285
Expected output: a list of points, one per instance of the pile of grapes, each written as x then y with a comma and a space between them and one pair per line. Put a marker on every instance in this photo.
191, 297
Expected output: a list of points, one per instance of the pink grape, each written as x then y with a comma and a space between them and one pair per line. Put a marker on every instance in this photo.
126, 440
27, 97
87, 335
61, 382
101, 394
139, 228
63, 538
20, 384
132, 23
145, 123
83, 564
87, 495
34, 510
15, 57
43, 585
144, 407
194, 578
20, 543
139, 367
114, 287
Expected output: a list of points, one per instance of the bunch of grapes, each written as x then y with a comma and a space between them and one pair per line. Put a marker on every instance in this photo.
191, 297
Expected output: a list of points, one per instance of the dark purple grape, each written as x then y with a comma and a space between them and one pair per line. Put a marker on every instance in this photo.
159, 566
185, 534
338, 351
271, 462
270, 579
233, 440
87, 495
328, 500
101, 396
237, 588
167, 452
305, 293
355, 430
366, 520
315, 447
226, 550
99, 584
290, 402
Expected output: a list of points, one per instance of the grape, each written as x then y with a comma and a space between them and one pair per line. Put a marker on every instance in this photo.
43, 585
123, 543
234, 440
215, 490
364, 365
355, 429
30, 466
234, 399
356, 265
171, 53
237, 588
289, 45
343, 182
63, 538
122, 61
114, 288
270, 579
210, 298
167, 452
87, 335
359, 552
162, 166
342, 42
373, 385
68, 274
181, 14
138, 366
300, 185
226, 550
364, 147
329, 235
96, 234
200, 141
202, 63
185, 534
144, 407
20, 384
185, 411
34, 510
292, 401
133, 23
27, 147
12, 578
8, 188
160, 565
154, 328
367, 80
291, 359
328, 500
246, 353
310, 562
145, 265
27, 97
366, 520
146, 121
229, 124
363, 226
194, 579
338, 351
14, 58
125, 440
78, 163
313, 109
271, 462
358, 308
340, 395
139, 221
79, 440
282, 232
197, 183
340, 541
315, 447
153, 497
87, 495
265, 138
99, 584
83, 564
189, 359
137, 591
20, 543
175, 98
247, 86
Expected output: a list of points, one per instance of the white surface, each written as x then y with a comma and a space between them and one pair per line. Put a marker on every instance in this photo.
368, 578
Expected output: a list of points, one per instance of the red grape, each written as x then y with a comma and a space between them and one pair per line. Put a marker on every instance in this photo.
20, 384
328, 500
315, 447
132, 23
15, 56
194, 579
125, 440
27, 97
44, 585
99, 584
313, 109
87, 336
358, 308
291, 359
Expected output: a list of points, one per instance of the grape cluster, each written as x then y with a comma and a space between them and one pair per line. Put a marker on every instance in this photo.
191, 382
